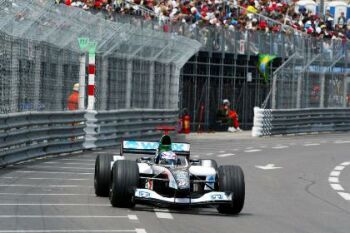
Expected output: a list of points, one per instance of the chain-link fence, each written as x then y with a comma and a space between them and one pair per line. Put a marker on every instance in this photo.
136, 66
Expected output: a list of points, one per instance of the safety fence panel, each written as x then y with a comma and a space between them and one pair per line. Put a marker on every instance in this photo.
33, 134
295, 121
109, 128
40, 58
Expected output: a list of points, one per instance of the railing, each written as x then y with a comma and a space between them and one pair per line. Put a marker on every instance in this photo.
29, 135
295, 121
33, 134
109, 128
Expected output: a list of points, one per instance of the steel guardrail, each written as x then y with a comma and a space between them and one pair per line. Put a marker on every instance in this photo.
109, 128
297, 121
29, 135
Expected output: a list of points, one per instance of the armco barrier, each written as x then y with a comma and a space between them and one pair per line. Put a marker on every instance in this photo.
33, 134
295, 121
108, 128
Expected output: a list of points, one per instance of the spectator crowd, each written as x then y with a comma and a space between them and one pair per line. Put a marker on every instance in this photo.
253, 15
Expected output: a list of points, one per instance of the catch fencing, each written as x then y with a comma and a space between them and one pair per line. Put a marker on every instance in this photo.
39, 59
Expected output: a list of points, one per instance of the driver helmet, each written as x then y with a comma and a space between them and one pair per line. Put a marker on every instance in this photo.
168, 158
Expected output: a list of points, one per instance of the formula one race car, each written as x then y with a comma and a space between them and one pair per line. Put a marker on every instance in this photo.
168, 178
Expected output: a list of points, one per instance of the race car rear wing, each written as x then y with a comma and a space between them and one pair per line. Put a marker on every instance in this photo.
144, 147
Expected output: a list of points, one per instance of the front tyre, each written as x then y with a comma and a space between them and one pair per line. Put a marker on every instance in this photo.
125, 179
231, 179
102, 175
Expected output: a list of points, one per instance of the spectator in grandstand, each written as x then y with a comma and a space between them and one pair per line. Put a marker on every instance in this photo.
341, 20
229, 116
73, 100
251, 15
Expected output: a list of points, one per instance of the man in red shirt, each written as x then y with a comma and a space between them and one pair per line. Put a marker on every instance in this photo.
73, 100
229, 115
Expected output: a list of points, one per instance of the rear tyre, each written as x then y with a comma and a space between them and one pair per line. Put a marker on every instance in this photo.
102, 175
231, 179
125, 179
209, 163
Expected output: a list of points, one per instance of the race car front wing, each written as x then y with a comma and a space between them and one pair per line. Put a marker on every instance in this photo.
206, 199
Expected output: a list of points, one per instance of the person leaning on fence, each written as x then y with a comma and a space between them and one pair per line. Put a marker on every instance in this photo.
229, 116
73, 100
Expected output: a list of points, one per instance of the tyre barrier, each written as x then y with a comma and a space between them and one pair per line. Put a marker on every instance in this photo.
298, 121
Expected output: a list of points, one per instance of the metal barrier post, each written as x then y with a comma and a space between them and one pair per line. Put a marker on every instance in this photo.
103, 82
322, 87
128, 83
14, 82
167, 86
151, 85
274, 90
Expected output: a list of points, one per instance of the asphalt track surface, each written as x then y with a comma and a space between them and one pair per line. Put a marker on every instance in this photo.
309, 192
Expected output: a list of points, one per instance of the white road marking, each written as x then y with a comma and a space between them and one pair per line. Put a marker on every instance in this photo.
67, 216
312, 144
209, 154
225, 155
222, 151
195, 156
341, 142
72, 231
60, 172
333, 179
133, 217
279, 147
54, 204
335, 173
337, 187
41, 178
163, 213
86, 160
46, 194
46, 186
248, 148
339, 168
269, 166
82, 168
140, 230
91, 164
346, 196
251, 151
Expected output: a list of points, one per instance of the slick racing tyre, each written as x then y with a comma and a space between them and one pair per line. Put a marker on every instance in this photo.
231, 179
209, 163
125, 179
102, 176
